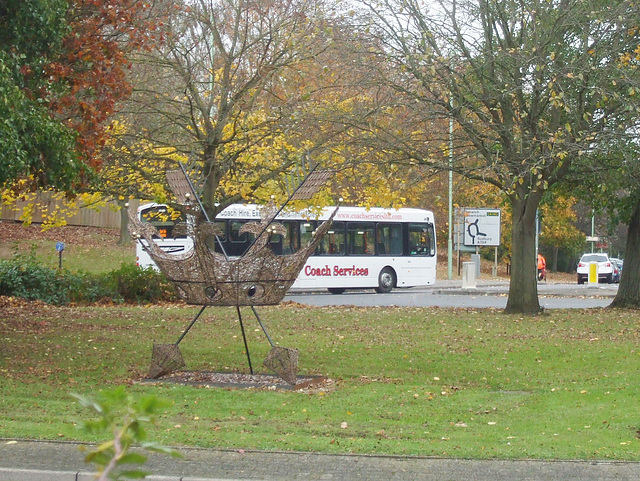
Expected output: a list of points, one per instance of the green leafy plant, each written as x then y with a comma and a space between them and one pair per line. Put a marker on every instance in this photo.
122, 418
24, 276
139, 284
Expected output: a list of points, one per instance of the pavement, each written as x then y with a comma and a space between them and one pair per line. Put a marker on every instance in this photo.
498, 286
22, 460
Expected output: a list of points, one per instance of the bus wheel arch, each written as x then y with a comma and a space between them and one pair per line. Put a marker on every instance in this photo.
387, 280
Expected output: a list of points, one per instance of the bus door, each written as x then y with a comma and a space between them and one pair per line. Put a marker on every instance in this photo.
237, 243
288, 243
420, 253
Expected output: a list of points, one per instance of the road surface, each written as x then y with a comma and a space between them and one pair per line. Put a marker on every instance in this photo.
488, 294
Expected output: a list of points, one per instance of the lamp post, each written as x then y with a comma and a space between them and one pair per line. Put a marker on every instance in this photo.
450, 237
593, 228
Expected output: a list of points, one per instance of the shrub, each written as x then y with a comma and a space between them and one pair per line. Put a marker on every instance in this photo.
83, 287
24, 277
140, 284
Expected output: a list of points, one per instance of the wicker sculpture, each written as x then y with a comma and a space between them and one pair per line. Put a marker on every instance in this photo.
203, 276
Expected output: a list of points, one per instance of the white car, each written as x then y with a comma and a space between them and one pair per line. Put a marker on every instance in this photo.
605, 267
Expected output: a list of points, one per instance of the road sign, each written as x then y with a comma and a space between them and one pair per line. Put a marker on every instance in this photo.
481, 227
59, 248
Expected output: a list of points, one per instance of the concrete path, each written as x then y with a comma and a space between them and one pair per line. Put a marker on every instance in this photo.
48, 461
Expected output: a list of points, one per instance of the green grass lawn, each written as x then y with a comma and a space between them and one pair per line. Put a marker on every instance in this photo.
441, 382
89, 250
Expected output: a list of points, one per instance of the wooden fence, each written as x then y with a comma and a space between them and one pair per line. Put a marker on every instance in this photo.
108, 216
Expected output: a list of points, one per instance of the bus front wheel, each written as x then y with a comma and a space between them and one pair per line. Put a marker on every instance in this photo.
386, 280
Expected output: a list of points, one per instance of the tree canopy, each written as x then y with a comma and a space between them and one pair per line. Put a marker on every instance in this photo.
224, 86
530, 86
32, 142
63, 67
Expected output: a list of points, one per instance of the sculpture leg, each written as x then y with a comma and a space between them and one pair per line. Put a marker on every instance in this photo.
244, 337
190, 325
262, 325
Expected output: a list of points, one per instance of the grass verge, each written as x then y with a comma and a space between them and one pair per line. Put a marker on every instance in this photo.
435, 382
91, 250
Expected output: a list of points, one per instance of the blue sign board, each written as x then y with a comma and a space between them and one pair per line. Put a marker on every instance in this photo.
59, 246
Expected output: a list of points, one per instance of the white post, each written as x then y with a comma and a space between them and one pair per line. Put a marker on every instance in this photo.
468, 275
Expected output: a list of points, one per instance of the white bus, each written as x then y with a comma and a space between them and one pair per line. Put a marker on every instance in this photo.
364, 248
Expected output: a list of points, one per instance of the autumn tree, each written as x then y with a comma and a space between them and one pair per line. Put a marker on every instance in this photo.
559, 231
628, 295
531, 86
63, 67
612, 183
32, 142
67, 63
94, 62
225, 88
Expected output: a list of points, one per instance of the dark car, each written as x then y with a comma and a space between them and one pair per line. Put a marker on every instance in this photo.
617, 269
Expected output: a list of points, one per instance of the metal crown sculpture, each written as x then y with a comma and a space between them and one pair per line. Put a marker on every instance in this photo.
206, 277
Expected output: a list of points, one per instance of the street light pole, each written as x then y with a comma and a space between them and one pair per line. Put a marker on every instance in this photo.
593, 228
450, 238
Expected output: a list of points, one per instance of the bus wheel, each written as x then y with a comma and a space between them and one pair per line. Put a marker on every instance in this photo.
386, 280
336, 290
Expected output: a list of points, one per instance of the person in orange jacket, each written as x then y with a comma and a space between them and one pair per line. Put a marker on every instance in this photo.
542, 267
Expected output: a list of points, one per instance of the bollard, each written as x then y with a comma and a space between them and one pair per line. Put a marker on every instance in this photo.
468, 275
593, 274
475, 258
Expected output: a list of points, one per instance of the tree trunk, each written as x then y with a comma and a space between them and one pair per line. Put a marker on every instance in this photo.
210, 184
125, 238
523, 286
628, 295
554, 267
209, 189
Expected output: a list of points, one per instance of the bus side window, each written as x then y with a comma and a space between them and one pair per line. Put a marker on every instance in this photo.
291, 241
212, 242
276, 244
332, 243
389, 239
285, 244
238, 243
306, 229
234, 232
360, 238
421, 240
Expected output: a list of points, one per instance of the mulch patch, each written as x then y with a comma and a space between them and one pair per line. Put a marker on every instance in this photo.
235, 380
